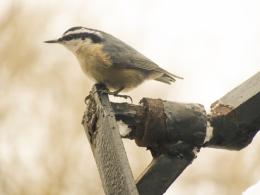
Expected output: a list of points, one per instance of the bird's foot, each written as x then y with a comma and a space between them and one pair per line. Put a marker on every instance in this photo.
116, 93
124, 96
87, 98
106, 91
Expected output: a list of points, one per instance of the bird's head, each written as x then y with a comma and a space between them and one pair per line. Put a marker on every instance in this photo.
76, 37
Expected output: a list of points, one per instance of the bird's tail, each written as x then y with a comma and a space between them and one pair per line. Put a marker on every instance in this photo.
167, 77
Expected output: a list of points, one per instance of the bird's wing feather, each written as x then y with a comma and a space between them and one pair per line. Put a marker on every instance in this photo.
124, 56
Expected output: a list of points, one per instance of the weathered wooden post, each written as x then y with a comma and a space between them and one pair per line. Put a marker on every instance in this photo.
107, 146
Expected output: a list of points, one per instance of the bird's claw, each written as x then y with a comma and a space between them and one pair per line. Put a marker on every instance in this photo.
103, 91
87, 98
115, 93
124, 96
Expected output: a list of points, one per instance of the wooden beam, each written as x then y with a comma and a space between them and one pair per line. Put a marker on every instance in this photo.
173, 132
106, 144
235, 118
160, 174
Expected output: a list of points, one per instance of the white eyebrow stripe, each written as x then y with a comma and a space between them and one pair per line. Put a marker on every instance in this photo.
83, 30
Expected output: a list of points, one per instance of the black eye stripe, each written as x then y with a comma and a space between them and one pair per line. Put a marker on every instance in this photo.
95, 38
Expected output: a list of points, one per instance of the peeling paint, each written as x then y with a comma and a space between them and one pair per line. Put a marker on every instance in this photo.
195, 151
124, 130
218, 108
209, 133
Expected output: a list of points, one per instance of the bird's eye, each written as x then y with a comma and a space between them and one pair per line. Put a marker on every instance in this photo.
67, 38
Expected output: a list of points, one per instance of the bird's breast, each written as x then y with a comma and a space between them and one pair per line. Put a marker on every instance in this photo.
94, 62
97, 65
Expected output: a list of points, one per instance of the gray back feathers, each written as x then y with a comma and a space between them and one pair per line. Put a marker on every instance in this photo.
123, 55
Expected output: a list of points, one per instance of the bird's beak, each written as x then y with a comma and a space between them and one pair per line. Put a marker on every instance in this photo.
53, 41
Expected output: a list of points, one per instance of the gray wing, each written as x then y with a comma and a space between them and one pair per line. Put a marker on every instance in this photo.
123, 55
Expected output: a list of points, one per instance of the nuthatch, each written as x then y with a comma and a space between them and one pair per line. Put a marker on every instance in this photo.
110, 61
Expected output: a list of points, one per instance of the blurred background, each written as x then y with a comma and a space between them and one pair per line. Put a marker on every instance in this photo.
214, 45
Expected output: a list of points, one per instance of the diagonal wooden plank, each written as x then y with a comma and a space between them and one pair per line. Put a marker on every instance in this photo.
160, 174
235, 118
107, 147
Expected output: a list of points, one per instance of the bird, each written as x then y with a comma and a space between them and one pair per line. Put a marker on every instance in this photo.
109, 61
